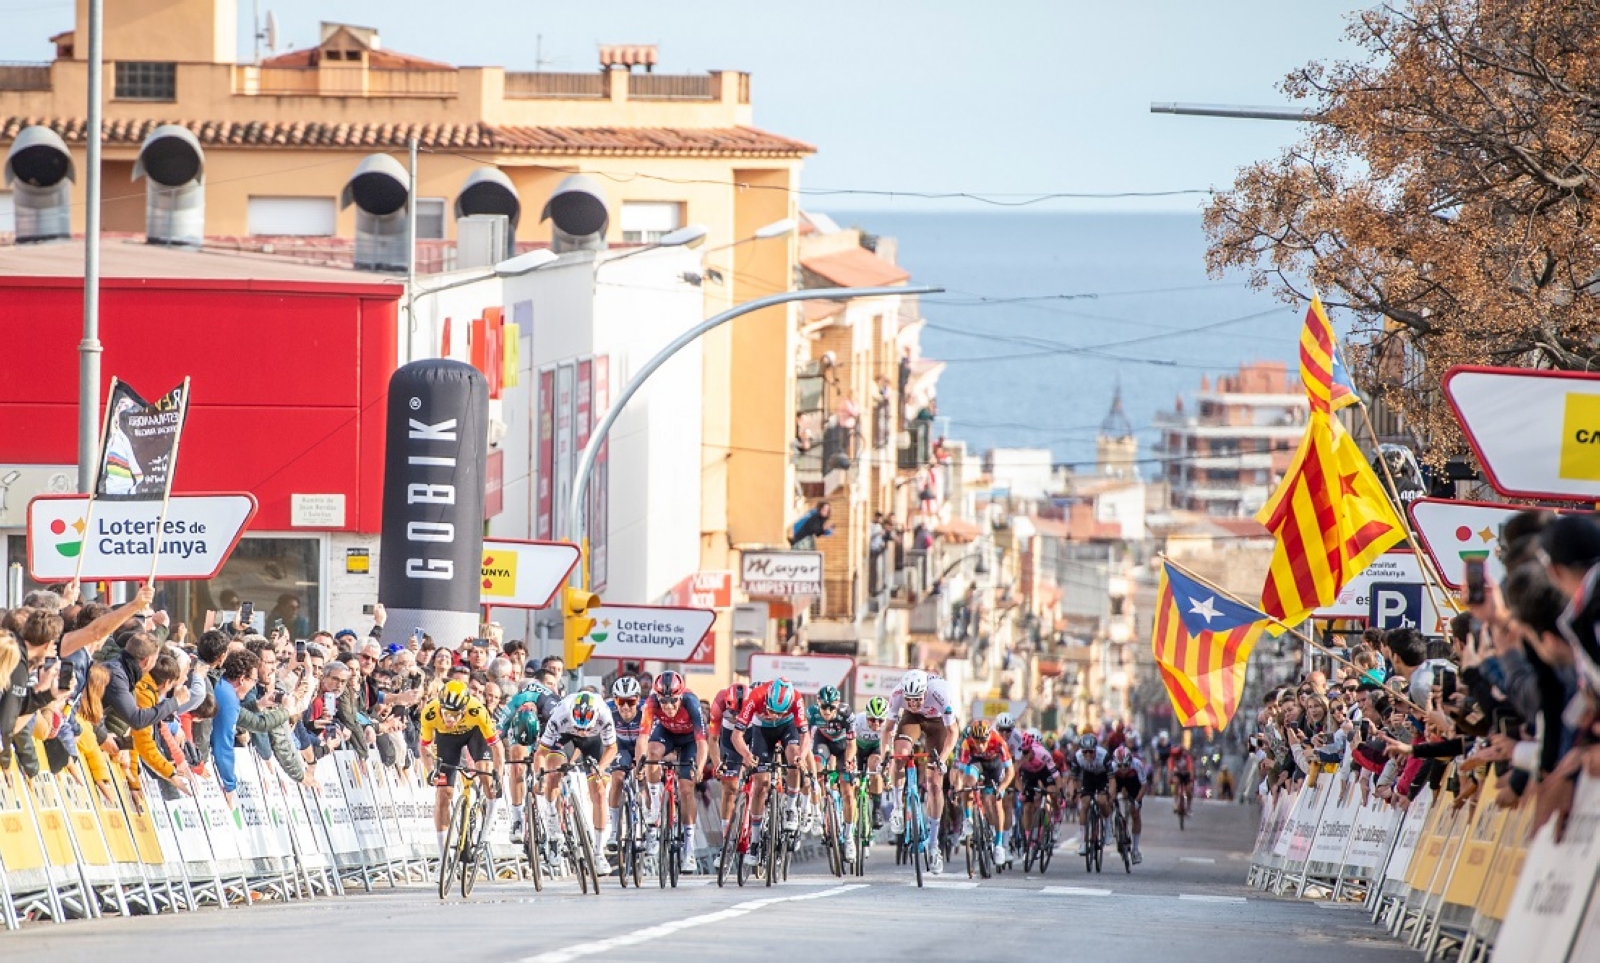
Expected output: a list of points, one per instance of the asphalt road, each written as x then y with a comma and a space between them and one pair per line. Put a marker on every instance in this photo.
1186, 902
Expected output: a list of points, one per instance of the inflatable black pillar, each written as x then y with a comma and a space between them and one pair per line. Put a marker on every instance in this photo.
430, 561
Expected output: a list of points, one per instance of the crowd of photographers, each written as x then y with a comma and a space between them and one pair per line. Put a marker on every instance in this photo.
112, 688
1515, 688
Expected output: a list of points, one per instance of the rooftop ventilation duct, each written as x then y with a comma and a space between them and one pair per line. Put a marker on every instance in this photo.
378, 189
487, 198
577, 210
40, 174
173, 166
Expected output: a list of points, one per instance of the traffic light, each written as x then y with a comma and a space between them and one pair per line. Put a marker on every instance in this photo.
576, 625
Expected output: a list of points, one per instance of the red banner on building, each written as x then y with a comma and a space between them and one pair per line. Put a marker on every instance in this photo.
545, 469
600, 481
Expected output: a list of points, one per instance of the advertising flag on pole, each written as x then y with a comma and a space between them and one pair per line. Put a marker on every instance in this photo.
1322, 371
1202, 642
137, 443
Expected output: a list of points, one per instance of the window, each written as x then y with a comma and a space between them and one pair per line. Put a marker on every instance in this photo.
282, 576
8, 214
430, 218
645, 221
146, 80
298, 216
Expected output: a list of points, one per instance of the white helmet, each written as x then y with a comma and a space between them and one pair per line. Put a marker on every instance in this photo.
626, 687
1004, 721
914, 684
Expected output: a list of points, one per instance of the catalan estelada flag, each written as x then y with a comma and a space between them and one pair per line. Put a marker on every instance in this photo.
1330, 518
1322, 371
1202, 644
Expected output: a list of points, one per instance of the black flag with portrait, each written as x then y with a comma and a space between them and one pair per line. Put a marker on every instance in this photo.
136, 448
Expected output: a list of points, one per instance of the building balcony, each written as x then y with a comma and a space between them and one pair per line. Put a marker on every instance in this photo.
916, 445
1245, 462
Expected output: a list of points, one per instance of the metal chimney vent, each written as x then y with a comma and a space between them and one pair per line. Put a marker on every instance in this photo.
489, 191
39, 172
173, 165
577, 210
379, 190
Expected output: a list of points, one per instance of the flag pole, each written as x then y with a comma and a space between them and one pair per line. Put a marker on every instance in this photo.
94, 487
1279, 622
166, 490
1435, 579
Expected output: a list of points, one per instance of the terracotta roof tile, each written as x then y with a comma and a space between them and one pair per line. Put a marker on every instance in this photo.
856, 267
708, 142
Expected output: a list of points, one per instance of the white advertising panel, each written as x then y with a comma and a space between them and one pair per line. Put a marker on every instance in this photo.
808, 673
662, 633
119, 539
524, 575
1355, 599
1536, 433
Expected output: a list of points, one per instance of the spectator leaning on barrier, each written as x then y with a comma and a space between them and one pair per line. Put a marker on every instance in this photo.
275, 710
238, 677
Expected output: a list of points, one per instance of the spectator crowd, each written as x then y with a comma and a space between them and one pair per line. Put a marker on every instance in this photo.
1514, 688
129, 687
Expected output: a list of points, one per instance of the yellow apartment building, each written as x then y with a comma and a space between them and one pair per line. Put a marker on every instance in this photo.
282, 137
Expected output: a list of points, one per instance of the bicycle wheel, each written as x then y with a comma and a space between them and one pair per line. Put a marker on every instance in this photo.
635, 842
586, 864
533, 841
667, 827
1124, 844
1088, 838
915, 838
831, 831
772, 838
474, 854
863, 832
1183, 809
452, 849
625, 854
730, 841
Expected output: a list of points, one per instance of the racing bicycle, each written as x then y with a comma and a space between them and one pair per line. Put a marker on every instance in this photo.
465, 848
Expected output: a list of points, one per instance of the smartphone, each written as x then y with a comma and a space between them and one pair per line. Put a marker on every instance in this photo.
247, 611
367, 609
330, 702
300, 649
1475, 581
416, 636
1508, 727
69, 672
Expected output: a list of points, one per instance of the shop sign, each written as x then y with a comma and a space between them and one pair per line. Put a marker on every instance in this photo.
781, 574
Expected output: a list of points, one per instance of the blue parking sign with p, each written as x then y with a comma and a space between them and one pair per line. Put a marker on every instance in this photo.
1393, 605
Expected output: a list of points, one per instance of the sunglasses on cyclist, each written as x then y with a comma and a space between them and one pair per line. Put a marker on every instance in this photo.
628, 702
672, 699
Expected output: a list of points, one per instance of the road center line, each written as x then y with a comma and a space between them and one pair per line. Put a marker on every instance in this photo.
1074, 891
578, 950
1197, 859
1211, 899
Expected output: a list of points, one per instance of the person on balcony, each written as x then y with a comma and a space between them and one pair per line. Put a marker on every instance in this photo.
810, 527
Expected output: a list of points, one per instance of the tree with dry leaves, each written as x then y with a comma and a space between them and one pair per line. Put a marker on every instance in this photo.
1444, 193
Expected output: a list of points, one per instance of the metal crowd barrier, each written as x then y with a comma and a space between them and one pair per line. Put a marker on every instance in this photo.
1448, 876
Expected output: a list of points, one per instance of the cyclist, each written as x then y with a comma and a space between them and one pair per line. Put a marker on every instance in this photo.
868, 729
920, 708
1039, 774
677, 728
778, 715
832, 728
453, 723
1180, 767
1160, 748
583, 724
629, 723
725, 706
1091, 766
1129, 778
520, 723
985, 763
1007, 727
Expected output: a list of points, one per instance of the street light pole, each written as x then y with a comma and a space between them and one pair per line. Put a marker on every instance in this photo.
89, 347
1235, 112
580, 478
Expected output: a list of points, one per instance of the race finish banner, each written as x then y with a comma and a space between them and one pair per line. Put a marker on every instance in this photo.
1536, 433
123, 540
648, 632
138, 442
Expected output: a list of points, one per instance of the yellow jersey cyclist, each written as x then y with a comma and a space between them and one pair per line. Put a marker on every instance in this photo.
453, 724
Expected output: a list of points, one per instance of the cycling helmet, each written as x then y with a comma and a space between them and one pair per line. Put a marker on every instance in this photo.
829, 697
1087, 742
780, 697
1029, 741
1004, 722
914, 684
585, 710
736, 696
453, 697
877, 708
1122, 757
626, 687
669, 685
979, 730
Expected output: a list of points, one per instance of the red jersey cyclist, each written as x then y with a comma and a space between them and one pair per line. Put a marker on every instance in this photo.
676, 727
725, 706
984, 764
1180, 766
773, 718
1129, 779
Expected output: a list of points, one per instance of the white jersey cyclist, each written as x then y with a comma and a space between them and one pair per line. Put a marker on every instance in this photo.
562, 727
936, 704
1094, 762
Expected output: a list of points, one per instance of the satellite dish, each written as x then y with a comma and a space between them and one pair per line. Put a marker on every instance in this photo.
272, 32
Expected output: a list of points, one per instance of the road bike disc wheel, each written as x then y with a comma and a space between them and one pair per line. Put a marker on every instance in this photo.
1047, 845
452, 849
474, 853
730, 840
664, 831
533, 839
586, 864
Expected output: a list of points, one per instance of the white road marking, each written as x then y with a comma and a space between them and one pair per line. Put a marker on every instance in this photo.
944, 884
1074, 891
649, 933
1212, 899
1196, 859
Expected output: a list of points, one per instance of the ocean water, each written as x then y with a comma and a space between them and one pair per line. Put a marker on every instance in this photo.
1028, 366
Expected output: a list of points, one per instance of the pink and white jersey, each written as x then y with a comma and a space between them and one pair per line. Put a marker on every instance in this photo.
1037, 759
935, 705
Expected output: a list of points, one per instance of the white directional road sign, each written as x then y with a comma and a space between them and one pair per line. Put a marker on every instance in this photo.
119, 540
1388, 569
1452, 532
648, 632
1536, 433
809, 673
524, 575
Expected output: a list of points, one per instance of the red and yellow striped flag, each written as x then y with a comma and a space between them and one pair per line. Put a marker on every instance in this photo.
1204, 671
1322, 372
1330, 518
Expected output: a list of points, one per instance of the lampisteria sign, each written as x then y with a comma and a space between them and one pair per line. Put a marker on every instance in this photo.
774, 574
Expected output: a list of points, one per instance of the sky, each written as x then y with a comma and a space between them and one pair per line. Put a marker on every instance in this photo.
1000, 98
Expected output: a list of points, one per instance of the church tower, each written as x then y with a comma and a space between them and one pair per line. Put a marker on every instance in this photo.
1116, 448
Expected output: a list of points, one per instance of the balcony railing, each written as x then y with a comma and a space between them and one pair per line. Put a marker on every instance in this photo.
344, 82
882, 424
539, 85
918, 447
673, 87
18, 76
